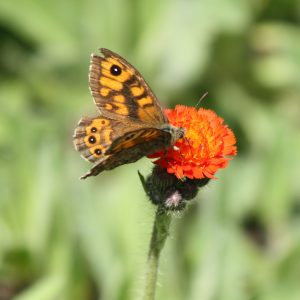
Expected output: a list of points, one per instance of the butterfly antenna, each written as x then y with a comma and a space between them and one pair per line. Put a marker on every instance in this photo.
200, 100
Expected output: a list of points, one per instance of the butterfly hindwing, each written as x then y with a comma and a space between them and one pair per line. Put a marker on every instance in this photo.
119, 90
130, 147
145, 140
111, 143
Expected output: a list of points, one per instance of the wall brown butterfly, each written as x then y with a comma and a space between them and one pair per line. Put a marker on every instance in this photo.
131, 123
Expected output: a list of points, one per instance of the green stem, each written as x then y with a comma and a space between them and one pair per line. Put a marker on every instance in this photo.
159, 235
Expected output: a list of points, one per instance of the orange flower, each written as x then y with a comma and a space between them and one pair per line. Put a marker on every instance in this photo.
204, 148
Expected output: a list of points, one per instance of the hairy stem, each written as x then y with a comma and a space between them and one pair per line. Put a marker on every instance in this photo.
159, 235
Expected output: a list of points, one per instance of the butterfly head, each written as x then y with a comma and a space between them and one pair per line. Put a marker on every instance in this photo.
176, 132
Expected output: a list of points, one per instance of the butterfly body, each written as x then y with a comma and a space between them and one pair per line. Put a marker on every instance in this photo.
131, 123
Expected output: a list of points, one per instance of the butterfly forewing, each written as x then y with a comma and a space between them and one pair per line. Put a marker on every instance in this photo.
119, 90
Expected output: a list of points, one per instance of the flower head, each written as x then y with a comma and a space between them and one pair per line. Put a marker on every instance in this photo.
203, 150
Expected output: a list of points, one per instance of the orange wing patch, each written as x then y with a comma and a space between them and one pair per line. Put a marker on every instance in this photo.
119, 98
104, 92
110, 83
108, 106
97, 125
146, 101
121, 109
137, 91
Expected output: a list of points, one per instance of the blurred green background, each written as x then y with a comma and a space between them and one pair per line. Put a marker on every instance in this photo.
61, 238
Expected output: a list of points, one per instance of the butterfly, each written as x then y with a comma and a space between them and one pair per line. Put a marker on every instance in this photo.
131, 123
